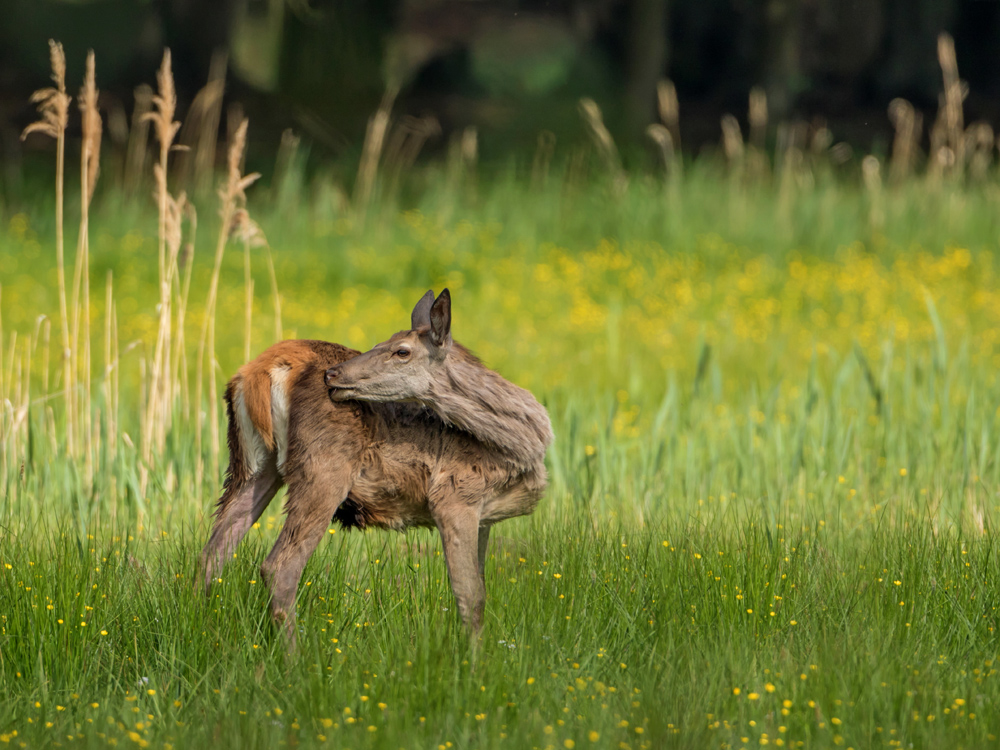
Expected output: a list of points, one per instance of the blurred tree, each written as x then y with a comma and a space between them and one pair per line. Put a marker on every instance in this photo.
322, 65
646, 62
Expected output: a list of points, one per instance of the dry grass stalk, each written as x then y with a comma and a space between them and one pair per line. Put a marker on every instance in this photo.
198, 136
820, 140
184, 263
249, 233
790, 168
111, 417
601, 136
908, 124
463, 153
871, 172
158, 407
732, 142
232, 197
279, 331
53, 103
371, 152
166, 129
955, 91
757, 114
90, 155
669, 111
287, 176
940, 155
138, 136
208, 133
757, 141
407, 140
46, 328
470, 147
542, 161
979, 148
92, 129
660, 136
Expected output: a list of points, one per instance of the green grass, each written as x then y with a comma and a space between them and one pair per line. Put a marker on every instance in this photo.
772, 500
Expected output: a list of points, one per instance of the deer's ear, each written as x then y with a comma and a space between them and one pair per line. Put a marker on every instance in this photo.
440, 315
421, 315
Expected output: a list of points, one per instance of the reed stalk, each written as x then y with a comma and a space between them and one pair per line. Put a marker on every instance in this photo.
955, 91
138, 136
871, 172
757, 163
371, 152
601, 136
247, 302
53, 104
185, 263
90, 156
111, 422
156, 419
669, 110
908, 124
232, 196
541, 164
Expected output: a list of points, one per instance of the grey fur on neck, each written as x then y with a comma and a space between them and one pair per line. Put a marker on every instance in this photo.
495, 411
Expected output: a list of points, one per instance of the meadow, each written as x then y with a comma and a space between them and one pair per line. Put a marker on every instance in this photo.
773, 487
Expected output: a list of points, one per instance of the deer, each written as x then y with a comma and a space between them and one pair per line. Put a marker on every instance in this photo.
416, 432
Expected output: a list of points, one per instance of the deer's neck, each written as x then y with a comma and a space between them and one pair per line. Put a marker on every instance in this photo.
495, 411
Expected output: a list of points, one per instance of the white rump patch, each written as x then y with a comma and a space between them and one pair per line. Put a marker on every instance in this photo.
279, 411
254, 450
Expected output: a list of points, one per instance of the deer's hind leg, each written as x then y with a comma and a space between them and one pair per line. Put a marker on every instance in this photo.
240, 506
312, 501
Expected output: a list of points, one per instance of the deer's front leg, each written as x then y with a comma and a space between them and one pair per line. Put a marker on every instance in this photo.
484, 543
310, 507
460, 535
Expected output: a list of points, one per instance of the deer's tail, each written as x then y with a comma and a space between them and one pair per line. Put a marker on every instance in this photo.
257, 408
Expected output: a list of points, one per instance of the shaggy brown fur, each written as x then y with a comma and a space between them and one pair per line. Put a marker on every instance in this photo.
416, 432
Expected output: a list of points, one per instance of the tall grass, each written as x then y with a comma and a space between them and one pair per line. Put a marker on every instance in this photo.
772, 377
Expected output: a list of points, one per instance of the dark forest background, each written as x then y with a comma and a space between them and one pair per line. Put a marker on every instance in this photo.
512, 67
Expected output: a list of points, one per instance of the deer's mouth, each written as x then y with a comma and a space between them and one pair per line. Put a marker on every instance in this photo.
341, 392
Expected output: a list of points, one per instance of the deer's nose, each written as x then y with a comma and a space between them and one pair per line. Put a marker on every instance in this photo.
332, 374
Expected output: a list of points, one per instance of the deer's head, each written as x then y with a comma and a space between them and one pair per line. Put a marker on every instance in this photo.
405, 367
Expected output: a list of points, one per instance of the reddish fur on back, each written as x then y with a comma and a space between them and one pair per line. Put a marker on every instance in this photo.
256, 379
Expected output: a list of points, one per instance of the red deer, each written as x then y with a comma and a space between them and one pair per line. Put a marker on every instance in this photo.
415, 432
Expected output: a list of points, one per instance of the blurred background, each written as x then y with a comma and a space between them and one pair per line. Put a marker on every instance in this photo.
511, 68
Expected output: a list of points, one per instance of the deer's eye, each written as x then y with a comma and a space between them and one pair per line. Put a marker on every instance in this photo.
402, 353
